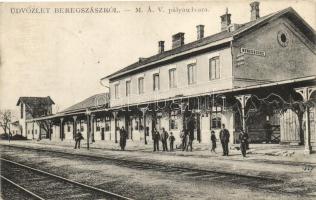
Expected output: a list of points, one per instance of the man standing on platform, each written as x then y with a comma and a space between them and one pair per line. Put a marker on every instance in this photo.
224, 137
78, 138
156, 138
123, 137
164, 138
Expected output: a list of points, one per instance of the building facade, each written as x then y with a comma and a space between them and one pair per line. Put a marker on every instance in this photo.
248, 76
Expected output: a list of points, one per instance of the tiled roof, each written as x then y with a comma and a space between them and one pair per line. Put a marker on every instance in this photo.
36, 101
204, 41
95, 101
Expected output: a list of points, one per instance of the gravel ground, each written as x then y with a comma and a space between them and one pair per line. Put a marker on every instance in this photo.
140, 184
10, 192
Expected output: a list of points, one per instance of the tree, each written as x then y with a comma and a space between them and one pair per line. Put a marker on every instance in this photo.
5, 120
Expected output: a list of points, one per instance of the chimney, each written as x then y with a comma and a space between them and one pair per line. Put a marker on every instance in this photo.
200, 31
254, 10
177, 40
161, 46
141, 59
225, 20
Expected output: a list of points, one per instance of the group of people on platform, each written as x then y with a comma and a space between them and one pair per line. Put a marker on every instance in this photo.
163, 137
187, 137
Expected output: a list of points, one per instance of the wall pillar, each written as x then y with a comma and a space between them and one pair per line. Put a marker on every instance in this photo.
306, 93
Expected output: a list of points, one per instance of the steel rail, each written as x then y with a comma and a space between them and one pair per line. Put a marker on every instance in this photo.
68, 180
22, 188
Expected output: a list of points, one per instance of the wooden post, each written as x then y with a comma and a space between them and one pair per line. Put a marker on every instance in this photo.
144, 118
92, 127
88, 130
50, 129
74, 127
243, 101
115, 125
61, 129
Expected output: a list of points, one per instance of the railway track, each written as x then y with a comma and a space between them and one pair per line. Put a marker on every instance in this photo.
42, 185
257, 182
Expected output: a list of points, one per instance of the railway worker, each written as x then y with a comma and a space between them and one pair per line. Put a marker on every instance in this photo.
243, 138
213, 141
224, 137
123, 137
164, 138
156, 138
78, 138
171, 140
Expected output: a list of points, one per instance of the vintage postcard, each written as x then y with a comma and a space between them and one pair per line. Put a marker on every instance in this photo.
158, 100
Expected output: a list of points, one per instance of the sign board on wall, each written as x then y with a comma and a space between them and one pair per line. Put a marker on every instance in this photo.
252, 52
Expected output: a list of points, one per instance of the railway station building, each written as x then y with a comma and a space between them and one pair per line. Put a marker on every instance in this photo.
248, 76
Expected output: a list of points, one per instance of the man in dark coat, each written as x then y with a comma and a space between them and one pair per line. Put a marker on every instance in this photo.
156, 138
78, 138
171, 140
191, 138
213, 140
164, 138
243, 138
224, 137
123, 137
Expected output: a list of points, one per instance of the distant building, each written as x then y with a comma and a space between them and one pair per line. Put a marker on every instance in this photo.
30, 108
15, 128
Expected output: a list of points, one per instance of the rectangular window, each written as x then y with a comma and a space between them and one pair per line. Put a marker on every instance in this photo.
128, 88
156, 84
192, 73
216, 118
68, 128
172, 78
22, 110
116, 91
98, 121
214, 68
81, 125
140, 85
107, 123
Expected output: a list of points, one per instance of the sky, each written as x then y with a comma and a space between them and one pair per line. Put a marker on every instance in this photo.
64, 55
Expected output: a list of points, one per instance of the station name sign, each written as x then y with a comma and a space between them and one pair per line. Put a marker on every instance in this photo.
252, 52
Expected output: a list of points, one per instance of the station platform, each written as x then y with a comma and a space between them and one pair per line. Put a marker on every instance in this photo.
287, 163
